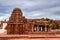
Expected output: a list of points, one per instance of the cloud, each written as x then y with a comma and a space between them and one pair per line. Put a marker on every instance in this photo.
4, 17
31, 8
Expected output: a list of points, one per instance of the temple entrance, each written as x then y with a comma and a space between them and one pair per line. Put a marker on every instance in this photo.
40, 28
17, 28
35, 28
21, 29
43, 28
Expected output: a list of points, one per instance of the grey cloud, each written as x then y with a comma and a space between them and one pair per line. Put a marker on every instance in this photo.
33, 8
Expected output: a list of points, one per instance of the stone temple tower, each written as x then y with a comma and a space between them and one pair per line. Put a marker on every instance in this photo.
16, 21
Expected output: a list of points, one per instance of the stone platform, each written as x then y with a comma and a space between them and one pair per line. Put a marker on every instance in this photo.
33, 36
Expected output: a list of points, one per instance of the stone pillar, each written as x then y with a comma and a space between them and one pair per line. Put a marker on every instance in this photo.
49, 28
32, 29
37, 28
45, 28
41, 28
12, 28
9, 29
21, 29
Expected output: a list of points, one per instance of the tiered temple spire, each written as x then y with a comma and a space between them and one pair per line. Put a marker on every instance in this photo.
16, 21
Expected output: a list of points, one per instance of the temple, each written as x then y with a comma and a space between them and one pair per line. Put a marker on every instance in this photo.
18, 24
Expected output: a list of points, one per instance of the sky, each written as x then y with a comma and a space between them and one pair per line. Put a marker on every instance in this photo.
31, 8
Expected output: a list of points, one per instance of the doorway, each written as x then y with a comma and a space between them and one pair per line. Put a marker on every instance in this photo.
35, 28
41, 28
